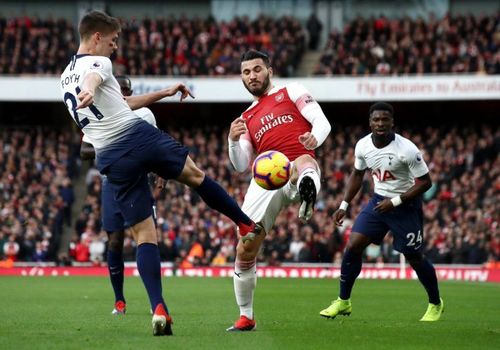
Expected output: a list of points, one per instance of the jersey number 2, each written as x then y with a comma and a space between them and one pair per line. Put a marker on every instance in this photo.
84, 122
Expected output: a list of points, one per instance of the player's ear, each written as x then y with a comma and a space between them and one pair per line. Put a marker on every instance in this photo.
270, 70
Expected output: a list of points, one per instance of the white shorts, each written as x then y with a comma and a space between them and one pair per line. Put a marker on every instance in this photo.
263, 206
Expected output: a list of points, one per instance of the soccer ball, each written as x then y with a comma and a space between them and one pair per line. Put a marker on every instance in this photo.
271, 170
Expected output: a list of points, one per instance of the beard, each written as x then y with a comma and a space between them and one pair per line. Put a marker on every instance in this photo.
258, 92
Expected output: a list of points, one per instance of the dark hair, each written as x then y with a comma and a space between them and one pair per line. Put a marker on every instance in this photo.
382, 106
125, 79
254, 54
97, 21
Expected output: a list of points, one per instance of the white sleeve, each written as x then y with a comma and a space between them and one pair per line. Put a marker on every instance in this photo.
359, 160
240, 153
146, 114
310, 110
86, 139
415, 161
100, 65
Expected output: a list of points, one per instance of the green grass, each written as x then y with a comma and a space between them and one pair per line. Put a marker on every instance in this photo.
74, 313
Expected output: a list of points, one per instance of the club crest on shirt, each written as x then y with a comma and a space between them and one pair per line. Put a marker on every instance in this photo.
279, 97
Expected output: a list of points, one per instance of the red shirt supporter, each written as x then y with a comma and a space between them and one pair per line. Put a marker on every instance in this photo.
275, 123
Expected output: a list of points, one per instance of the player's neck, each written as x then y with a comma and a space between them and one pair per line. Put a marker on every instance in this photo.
270, 87
85, 50
383, 140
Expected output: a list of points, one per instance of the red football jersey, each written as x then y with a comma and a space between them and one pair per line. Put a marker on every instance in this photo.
275, 123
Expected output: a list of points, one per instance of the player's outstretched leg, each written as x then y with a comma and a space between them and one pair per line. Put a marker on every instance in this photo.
116, 270
217, 198
427, 276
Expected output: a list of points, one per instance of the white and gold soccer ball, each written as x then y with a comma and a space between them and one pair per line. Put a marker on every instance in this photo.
271, 170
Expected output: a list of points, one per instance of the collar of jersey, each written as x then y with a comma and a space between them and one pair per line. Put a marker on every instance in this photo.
81, 55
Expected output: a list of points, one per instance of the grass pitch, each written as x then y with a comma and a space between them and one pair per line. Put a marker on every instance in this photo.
74, 313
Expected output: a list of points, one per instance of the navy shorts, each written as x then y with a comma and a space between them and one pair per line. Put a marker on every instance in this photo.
152, 151
404, 221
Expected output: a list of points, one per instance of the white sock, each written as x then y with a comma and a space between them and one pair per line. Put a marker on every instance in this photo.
313, 174
244, 286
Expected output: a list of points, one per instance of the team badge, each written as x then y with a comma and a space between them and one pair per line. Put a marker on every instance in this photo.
279, 97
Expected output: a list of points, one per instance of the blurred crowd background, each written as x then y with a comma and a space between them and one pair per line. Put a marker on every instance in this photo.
38, 165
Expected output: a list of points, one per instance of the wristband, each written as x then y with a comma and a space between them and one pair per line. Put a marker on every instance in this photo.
396, 201
343, 205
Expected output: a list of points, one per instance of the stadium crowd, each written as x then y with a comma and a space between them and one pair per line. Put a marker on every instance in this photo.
461, 209
181, 46
382, 46
168, 46
36, 166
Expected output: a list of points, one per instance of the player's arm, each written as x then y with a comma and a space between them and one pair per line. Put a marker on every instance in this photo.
353, 185
240, 147
312, 112
422, 184
87, 151
136, 102
89, 85
419, 170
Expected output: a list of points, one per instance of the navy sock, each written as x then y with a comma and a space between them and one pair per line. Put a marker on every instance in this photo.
349, 271
427, 276
217, 198
116, 267
148, 264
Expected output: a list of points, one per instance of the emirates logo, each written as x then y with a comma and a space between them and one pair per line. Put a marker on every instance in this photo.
279, 97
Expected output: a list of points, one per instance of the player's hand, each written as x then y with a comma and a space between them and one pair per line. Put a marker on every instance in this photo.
238, 128
384, 206
183, 89
160, 182
86, 98
308, 140
338, 217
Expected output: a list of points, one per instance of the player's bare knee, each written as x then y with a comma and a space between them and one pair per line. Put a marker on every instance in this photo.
144, 231
414, 258
300, 164
357, 243
191, 175
115, 241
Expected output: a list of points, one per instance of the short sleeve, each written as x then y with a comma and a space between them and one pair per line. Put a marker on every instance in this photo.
100, 65
415, 161
359, 159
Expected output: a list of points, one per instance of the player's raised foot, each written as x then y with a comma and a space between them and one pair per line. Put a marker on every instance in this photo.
307, 191
433, 312
162, 322
338, 307
120, 308
249, 232
244, 324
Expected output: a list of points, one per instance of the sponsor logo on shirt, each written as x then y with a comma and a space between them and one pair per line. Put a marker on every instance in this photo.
269, 121
96, 65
